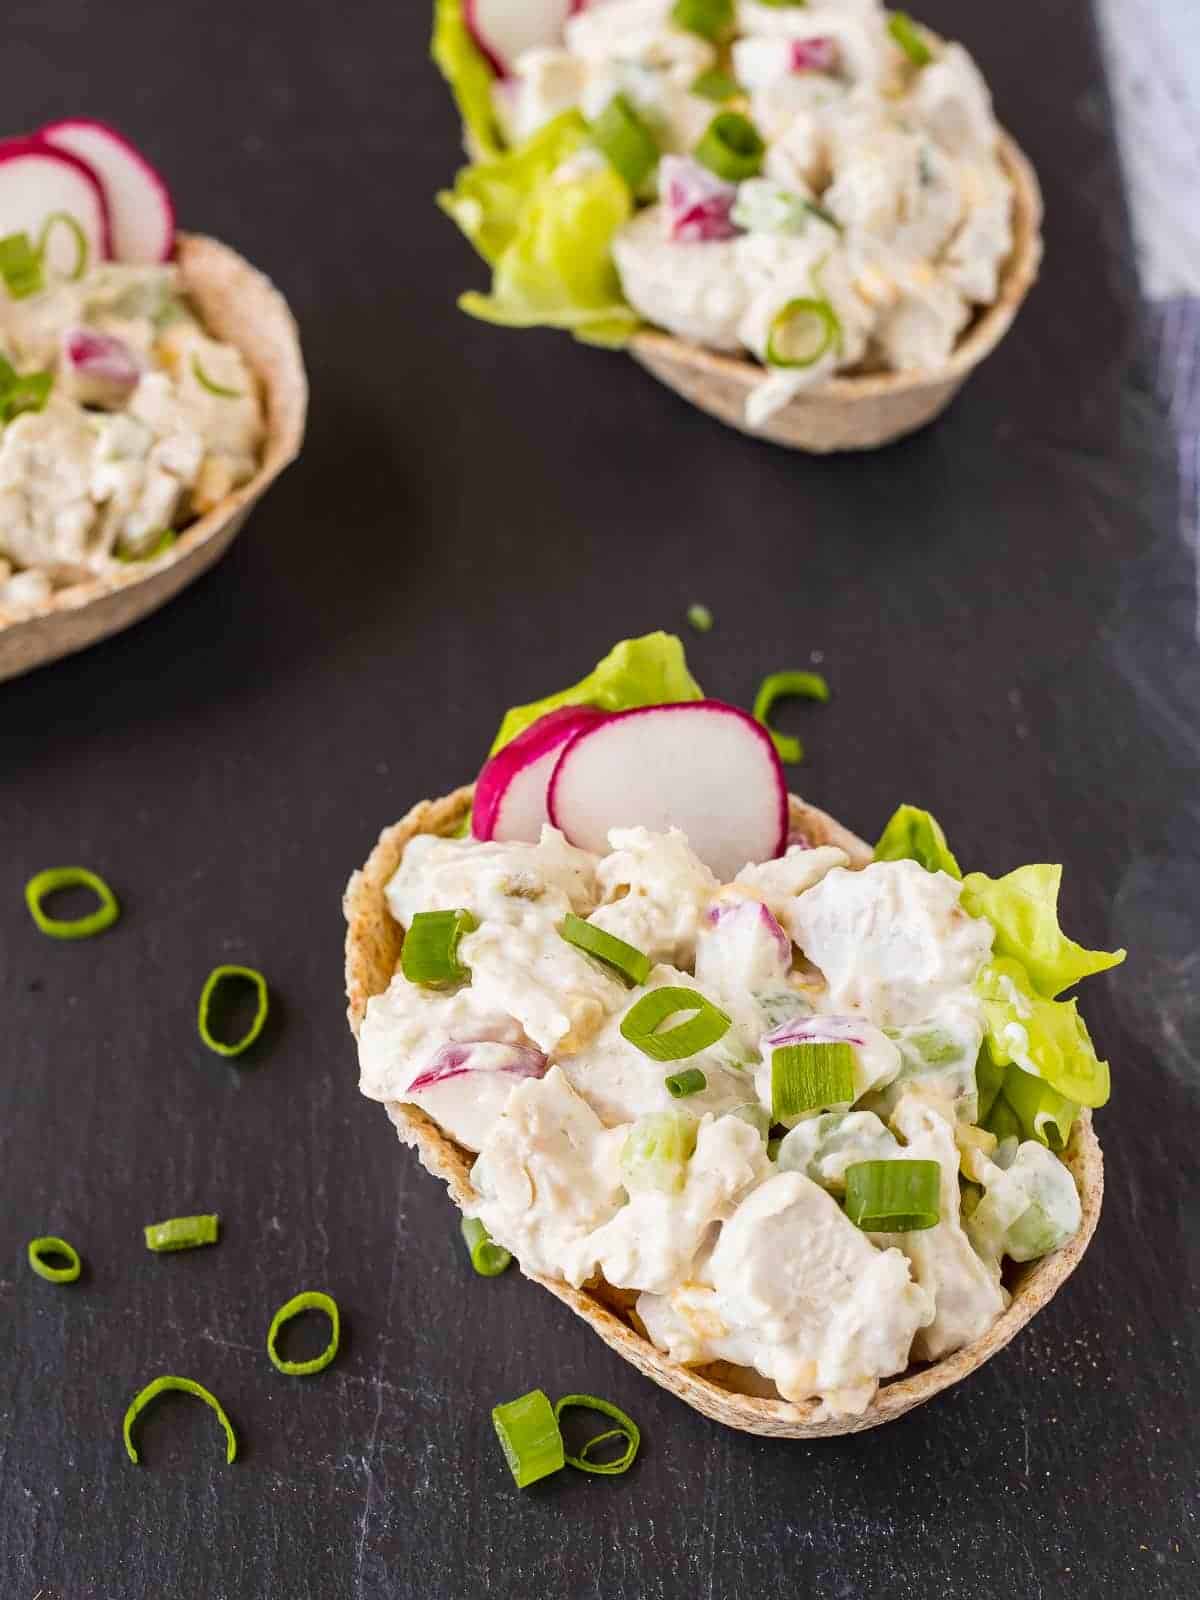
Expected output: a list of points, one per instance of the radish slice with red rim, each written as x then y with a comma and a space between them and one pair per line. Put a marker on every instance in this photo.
701, 766
139, 203
38, 183
510, 793
504, 29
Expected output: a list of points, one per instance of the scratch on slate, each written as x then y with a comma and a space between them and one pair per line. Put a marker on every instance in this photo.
368, 1460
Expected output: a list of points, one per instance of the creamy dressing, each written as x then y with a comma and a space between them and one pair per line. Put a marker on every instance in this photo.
737, 1257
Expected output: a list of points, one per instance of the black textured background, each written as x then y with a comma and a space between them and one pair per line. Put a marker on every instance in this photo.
1007, 618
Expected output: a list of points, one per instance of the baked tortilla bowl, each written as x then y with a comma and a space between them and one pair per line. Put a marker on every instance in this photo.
373, 941
876, 408
243, 308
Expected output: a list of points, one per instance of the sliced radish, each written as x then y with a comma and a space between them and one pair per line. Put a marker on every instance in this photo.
701, 766
139, 203
35, 184
503, 29
510, 794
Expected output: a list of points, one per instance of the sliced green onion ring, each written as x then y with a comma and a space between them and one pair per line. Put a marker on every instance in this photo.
429, 955
48, 1245
66, 220
625, 141
529, 1435
20, 266
701, 618
487, 1257
682, 1084
909, 37
205, 382
893, 1196
810, 1077
308, 1300
212, 983
183, 1233
184, 1386
711, 19
731, 146
626, 959
716, 85
158, 548
626, 1428
22, 391
686, 1039
801, 333
53, 878
781, 686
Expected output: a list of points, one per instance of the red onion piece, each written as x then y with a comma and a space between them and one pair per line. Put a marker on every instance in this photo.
453, 1060
102, 366
814, 55
722, 910
696, 203
816, 1030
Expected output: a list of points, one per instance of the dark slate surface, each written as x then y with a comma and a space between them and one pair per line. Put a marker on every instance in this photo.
1009, 624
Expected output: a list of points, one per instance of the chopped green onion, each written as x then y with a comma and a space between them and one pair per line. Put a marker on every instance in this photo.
780, 4
205, 382
701, 618
625, 959
309, 1300
183, 1233
20, 266
639, 1023
779, 686
626, 1429
184, 1386
39, 1249
212, 983
19, 391
731, 146
429, 954
716, 85
682, 1084
55, 878
801, 333
910, 38
657, 1150
810, 1077
65, 219
158, 548
893, 1196
530, 1438
623, 138
488, 1258
827, 217
711, 19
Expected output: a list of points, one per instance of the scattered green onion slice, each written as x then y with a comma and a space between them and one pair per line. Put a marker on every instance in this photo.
731, 146
623, 138
45, 883
205, 382
309, 1300
626, 1429
212, 983
827, 217
810, 1077
690, 1081
19, 391
39, 1249
158, 548
66, 220
699, 1031
701, 618
910, 38
780, 686
716, 85
893, 1196
487, 1257
429, 954
632, 965
183, 1233
711, 19
185, 1386
20, 266
530, 1438
801, 333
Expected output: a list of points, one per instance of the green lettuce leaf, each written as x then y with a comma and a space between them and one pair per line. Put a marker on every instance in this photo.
1043, 1113
1023, 909
488, 198
1047, 1038
557, 270
913, 835
470, 77
649, 671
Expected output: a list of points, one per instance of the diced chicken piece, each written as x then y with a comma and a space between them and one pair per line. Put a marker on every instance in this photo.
654, 891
